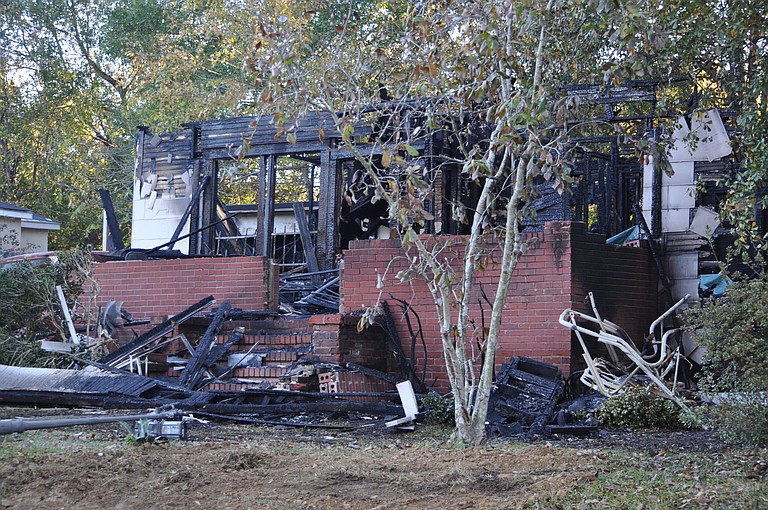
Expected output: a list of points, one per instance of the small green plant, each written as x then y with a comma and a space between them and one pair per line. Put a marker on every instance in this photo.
130, 437
439, 409
638, 408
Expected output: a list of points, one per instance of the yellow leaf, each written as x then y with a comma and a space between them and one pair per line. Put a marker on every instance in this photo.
386, 159
347, 132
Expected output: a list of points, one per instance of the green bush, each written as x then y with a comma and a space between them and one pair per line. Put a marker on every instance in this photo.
737, 418
638, 408
30, 309
734, 328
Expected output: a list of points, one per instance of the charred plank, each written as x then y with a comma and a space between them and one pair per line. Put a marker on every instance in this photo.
196, 365
158, 331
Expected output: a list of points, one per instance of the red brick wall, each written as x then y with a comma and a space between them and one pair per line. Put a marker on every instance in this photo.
336, 340
560, 266
165, 287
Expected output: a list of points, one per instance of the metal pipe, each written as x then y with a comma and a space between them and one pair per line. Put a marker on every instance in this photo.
23, 424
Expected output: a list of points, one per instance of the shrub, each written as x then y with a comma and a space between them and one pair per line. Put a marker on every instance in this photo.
30, 309
737, 418
438, 409
638, 408
734, 329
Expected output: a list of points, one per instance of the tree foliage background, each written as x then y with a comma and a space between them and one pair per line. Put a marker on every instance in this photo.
78, 76
492, 72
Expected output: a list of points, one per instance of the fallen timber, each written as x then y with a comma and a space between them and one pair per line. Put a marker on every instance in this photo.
522, 405
158, 331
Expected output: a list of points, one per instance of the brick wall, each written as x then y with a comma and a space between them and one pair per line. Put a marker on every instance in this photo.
165, 287
336, 339
624, 281
562, 264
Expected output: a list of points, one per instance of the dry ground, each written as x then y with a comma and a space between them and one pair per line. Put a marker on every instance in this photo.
229, 466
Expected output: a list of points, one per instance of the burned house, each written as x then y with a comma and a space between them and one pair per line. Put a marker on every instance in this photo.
321, 243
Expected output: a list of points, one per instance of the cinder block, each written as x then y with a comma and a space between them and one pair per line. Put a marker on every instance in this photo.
675, 220
679, 197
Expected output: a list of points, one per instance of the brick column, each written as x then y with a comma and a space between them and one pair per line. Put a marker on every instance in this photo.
325, 337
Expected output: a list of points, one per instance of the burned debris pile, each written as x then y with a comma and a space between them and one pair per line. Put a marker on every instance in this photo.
228, 363
224, 363
524, 398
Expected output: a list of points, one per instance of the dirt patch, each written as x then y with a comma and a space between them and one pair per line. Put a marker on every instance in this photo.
242, 466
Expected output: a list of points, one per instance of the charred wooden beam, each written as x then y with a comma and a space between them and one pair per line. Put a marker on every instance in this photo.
194, 216
207, 238
193, 203
75, 399
158, 252
285, 423
196, 365
330, 406
231, 234
115, 237
406, 369
328, 210
219, 350
354, 367
156, 332
306, 240
326, 296
266, 206
183, 392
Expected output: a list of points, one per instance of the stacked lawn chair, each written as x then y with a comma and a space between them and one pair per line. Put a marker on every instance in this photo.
659, 358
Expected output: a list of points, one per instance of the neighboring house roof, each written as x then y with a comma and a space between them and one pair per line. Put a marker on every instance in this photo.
29, 218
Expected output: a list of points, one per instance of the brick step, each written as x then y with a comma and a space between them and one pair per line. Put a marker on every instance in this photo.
272, 326
271, 372
268, 332
269, 354
270, 340
277, 357
232, 386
